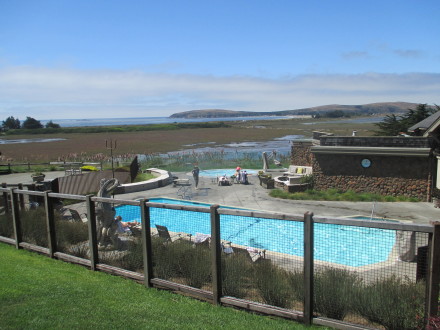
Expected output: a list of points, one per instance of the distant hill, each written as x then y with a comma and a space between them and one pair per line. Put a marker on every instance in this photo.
365, 109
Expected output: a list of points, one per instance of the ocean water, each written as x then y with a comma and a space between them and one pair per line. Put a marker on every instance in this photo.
167, 120
148, 120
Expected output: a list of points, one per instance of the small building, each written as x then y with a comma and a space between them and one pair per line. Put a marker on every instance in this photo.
389, 166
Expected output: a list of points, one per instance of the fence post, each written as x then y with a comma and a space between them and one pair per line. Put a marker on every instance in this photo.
5, 198
50, 224
93, 240
146, 243
16, 219
216, 255
433, 271
21, 197
308, 268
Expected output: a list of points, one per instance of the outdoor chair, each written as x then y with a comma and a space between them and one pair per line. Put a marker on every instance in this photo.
165, 234
202, 239
223, 181
76, 217
254, 255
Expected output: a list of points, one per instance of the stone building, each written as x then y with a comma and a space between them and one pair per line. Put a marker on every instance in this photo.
390, 166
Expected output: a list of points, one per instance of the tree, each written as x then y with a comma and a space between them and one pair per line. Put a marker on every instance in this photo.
393, 125
31, 123
51, 124
390, 126
11, 123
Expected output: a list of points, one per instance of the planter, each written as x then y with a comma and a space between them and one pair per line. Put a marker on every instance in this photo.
266, 182
38, 178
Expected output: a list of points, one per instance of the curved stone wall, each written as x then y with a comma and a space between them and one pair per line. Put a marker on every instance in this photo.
164, 178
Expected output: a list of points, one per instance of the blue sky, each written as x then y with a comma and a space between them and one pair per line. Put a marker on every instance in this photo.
90, 59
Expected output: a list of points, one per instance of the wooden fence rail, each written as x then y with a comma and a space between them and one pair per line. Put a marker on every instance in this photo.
13, 201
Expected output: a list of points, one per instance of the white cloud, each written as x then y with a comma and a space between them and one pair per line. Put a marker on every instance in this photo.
45, 93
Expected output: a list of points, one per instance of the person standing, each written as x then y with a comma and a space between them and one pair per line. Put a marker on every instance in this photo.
195, 173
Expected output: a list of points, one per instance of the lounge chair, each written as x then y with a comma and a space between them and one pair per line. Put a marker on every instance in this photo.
202, 239
77, 217
254, 255
223, 181
165, 234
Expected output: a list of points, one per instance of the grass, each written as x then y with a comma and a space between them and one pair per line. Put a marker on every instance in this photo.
338, 195
41, 293
144, 177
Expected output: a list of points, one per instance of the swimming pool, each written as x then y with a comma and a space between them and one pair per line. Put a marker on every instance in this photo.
220, 172
345, 245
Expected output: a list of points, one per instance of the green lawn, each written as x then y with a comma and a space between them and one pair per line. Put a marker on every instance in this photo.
37, 292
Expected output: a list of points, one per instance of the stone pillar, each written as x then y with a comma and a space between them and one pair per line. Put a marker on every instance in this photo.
301, 153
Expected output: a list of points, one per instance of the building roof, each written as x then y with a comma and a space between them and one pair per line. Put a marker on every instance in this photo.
377, 151
428, 124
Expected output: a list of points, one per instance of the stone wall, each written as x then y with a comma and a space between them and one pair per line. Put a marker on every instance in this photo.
388, 176
376, 141
301, 153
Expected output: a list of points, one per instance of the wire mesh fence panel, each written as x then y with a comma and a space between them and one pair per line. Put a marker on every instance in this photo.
118, 236
181, 247
368, 276
33, 225
262, 260
6, 225
71, 229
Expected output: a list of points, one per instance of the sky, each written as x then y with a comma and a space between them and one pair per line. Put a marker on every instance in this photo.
108, 58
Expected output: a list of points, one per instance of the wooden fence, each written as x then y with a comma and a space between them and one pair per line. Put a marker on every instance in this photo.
14, 202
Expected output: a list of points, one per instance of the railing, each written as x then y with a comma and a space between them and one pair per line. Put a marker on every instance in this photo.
7, 168
334, 272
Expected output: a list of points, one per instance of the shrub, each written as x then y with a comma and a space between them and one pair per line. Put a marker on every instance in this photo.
70, 233
309, 179
334, 291
133, 259
6, 228
79, 250
193, 263
89, 168
33, 226
296, 283
393, 303
182, 259
272, 284
235, 269
122, 169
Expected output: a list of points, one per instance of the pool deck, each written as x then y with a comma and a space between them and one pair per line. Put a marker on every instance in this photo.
253, 196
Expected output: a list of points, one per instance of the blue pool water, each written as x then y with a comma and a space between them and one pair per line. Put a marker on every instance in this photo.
220, 172
346, 245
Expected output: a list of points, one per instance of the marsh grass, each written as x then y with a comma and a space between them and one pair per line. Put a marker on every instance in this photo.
182, 162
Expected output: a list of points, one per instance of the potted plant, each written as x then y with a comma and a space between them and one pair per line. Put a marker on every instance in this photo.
266, 180
38, 176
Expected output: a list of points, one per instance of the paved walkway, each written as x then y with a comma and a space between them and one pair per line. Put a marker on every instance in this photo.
253, 196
